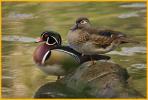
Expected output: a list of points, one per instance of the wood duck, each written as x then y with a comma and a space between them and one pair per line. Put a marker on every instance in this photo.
54, 59
88, 40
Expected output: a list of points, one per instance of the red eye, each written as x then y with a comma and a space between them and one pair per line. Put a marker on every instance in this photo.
46, 35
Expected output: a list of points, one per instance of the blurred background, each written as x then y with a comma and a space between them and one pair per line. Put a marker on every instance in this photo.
22, 22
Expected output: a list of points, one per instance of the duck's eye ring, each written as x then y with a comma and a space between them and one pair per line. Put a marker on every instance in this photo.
83, 22
44, 33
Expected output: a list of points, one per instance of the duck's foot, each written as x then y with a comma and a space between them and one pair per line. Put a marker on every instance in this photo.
93, 62
58, 78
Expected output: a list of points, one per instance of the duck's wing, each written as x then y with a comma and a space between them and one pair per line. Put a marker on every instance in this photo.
110, 33
104, 38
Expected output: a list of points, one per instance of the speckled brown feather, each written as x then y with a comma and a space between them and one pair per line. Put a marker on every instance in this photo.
102, 40
82, 38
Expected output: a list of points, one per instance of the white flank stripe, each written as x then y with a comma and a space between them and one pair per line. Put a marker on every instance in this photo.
70, 53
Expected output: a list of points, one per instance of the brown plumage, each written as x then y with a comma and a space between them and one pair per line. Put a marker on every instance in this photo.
89, 40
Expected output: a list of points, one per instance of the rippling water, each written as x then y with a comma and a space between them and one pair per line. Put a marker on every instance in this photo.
23, 22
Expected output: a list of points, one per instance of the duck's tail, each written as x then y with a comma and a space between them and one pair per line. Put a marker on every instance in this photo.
128, 40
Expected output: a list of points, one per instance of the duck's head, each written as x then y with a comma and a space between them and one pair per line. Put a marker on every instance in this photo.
81, 22
50, 38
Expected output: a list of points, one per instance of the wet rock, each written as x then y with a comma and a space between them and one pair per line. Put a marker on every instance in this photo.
101, 80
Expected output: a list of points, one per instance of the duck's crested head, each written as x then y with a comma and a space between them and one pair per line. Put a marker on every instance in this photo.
81, 22
50, 37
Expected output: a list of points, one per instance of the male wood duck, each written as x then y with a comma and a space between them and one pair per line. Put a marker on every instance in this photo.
54, 59
88, 40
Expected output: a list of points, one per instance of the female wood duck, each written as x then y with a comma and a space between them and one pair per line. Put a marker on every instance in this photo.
88, 40
54, 59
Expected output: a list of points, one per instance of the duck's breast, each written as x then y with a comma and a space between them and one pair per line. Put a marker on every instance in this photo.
40, 52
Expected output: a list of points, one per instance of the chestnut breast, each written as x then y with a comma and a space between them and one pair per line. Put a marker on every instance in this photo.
40, 51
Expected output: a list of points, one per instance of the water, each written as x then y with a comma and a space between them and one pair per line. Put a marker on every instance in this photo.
134, 5
22, 23
128, 51
17, 38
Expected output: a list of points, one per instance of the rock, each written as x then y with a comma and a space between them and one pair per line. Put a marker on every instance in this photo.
101, 80
57, 90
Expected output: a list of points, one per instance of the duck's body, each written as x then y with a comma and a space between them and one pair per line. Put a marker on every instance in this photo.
91, 43
54, 59
88, 40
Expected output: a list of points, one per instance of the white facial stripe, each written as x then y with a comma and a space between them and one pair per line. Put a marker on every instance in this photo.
55, 39
50, 43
